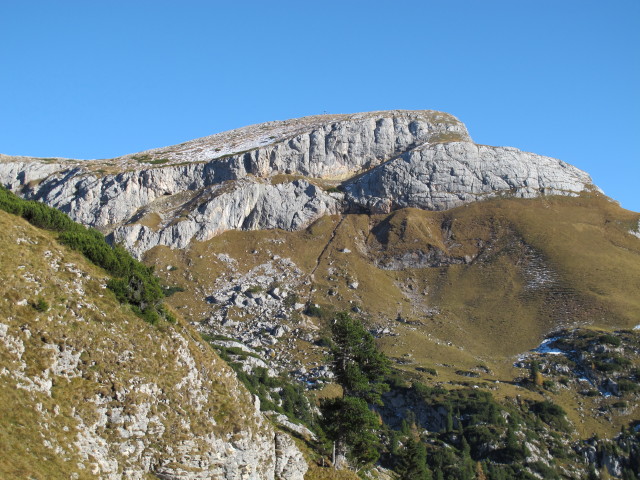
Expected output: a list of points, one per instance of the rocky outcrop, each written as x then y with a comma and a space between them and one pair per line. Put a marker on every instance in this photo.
113, 396
19, 172
251, 178
247, 204
443, 176
323, 146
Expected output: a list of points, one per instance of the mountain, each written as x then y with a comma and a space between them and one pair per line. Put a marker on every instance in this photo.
492, 278
284, 175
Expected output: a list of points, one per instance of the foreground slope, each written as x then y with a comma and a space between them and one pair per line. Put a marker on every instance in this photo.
89, 390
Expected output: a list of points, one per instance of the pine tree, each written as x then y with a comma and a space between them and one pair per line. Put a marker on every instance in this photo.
360, 369
449, 420
466, 467
535, 375
353, 426
413, 462
359, 366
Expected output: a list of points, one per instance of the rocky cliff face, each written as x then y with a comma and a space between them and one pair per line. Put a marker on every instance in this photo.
91, 391
276, 175
443, 176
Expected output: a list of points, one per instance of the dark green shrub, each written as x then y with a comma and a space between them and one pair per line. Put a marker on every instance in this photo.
610, 340
626, 386
313, 310
551, 414
589, 393
41, 305
611, 363
425, 391
545, 471
429, 370
133, 282
413, 461
291, 299
168, 291
479, 436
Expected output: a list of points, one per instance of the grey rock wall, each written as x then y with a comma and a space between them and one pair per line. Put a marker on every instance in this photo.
252, 178
447, 175
243, 205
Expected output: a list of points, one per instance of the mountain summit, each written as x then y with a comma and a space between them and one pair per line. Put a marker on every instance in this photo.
286, 175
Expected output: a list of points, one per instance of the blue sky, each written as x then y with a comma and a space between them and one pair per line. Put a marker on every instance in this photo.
98, 79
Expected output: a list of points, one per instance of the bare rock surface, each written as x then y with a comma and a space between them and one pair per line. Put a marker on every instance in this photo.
443, 176
247, 204
283, 175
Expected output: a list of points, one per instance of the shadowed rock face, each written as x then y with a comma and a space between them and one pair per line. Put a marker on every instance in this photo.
201, 188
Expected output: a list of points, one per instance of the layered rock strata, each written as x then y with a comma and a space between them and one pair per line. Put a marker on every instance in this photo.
447, 175
278, 174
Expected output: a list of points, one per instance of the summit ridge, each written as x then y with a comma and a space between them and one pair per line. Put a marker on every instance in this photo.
287, 174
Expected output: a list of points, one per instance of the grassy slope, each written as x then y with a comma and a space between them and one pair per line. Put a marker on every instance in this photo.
457, 316
84, 317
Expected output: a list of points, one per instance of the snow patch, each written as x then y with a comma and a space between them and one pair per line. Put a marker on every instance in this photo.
545, 347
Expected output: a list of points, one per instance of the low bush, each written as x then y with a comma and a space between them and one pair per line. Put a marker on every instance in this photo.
313, 310
610, 340
551, 414
41, 305
627, 386
132, 281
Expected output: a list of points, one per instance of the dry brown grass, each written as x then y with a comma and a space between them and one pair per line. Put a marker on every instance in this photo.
457, 316
85, 317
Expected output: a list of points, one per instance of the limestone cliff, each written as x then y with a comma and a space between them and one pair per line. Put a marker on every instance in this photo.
443, 176
280, 175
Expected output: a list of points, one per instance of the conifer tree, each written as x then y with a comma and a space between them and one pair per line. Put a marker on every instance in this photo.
360, 369
359, 366
535, 375
466, 467
413, 462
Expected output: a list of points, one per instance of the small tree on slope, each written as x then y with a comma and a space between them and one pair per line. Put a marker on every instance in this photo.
360, 368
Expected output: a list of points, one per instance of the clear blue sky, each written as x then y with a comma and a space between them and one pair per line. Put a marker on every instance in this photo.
98, 79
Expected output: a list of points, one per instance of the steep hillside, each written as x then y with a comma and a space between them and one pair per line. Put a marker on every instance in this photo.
465, 300
89, 390
442, 290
